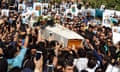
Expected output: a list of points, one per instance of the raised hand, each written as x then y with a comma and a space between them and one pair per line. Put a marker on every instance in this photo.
18, 26
28, 29
38, 64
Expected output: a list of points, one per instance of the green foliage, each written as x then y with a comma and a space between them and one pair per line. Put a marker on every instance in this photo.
58, 1
110, 4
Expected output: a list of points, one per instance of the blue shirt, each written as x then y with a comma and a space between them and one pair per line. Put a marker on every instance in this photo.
17, 61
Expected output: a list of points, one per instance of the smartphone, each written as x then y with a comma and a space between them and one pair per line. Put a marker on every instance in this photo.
38, 55
50, 68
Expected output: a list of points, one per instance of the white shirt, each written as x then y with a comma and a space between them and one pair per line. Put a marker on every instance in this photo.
112, 68
81, 63
90, 70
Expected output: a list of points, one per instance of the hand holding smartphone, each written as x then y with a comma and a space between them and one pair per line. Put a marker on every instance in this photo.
38, 60
50, 68
38, 55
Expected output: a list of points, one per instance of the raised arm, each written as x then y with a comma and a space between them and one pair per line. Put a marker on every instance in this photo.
38, 64
27, 37
17, 31
39, 38
4, 36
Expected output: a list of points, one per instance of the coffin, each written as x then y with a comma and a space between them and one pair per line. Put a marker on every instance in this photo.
64, 35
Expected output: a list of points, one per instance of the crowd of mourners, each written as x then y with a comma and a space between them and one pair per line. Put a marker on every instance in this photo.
19, 41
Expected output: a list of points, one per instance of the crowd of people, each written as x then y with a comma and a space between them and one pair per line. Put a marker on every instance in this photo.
19, 41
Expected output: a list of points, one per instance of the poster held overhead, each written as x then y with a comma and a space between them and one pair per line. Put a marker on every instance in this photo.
110, 18
21, 7
5, 12
37, 7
